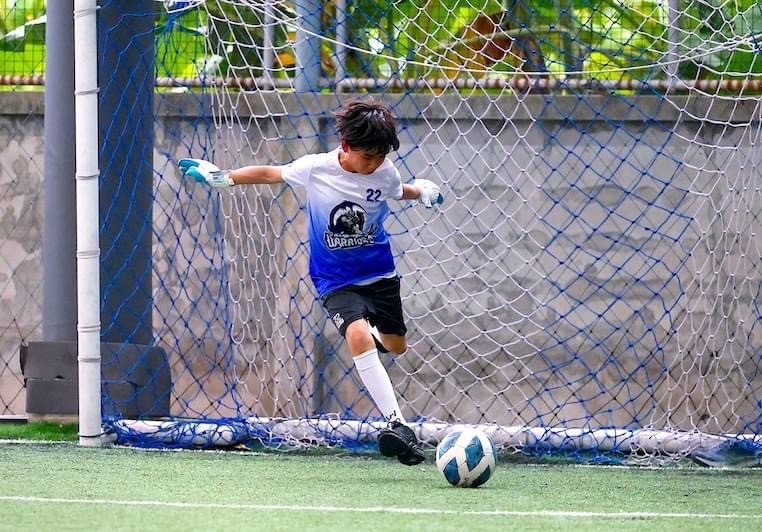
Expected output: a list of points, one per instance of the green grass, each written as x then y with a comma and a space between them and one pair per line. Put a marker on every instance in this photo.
63, 486
39, 430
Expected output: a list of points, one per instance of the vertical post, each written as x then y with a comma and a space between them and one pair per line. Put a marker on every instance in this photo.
673, 18
342, 36
88, 252
308, 46
568, 56
59, 323
268, 43
126, 71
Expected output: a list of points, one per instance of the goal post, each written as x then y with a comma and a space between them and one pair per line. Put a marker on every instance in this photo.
590, 285
87, 253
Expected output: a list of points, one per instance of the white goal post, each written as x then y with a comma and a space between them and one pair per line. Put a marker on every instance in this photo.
88, 249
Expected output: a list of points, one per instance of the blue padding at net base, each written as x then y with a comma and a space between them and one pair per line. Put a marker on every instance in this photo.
547, 445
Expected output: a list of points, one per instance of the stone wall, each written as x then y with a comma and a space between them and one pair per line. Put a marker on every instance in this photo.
596, 261
21, 173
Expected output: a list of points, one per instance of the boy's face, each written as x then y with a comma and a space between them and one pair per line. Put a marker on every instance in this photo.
360, 161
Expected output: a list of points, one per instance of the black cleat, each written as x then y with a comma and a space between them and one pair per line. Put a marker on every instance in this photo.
399, 440
414, 457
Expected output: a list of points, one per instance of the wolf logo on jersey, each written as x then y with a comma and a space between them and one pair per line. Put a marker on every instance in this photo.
347, 218
346, 227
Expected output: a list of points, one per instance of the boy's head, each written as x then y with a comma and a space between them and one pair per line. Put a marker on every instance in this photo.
367, 126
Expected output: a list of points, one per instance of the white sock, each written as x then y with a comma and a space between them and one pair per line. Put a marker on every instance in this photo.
375, 378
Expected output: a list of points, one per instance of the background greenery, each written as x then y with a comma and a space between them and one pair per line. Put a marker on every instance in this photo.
603, 39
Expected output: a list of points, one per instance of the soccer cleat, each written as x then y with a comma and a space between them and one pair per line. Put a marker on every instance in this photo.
399, 440
414, 457
377, 339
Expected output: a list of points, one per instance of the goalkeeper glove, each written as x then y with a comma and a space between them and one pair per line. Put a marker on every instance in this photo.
206, 172
431, 196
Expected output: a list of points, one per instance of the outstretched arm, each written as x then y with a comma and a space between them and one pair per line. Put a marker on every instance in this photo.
257, 175
423, 190
409, 192
206, 172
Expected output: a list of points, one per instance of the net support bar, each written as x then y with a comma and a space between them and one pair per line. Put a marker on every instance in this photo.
308, 432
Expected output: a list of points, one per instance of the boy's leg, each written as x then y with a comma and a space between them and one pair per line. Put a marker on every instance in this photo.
385, 307
377, 339
397, 439
386, 316
372, 372
388, 343
348, 310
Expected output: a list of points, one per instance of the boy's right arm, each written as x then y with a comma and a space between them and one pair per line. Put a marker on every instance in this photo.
206, 172
257, 175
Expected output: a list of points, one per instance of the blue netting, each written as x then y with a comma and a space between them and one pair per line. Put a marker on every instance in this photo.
595, 265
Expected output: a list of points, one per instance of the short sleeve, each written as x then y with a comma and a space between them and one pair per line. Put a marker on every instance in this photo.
297, 173
396, 191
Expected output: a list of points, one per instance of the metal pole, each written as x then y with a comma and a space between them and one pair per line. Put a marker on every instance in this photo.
308, 46
268, 55
673, 32
59, 321
342, 35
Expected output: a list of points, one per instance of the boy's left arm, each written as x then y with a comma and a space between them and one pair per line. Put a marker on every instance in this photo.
409, 192
423, 190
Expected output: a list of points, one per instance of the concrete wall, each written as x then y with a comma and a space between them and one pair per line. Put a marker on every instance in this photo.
21, 171
596, 261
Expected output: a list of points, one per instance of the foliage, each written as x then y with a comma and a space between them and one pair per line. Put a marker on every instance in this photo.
604, 39
180, 42
21, 51
715, 42
15, 13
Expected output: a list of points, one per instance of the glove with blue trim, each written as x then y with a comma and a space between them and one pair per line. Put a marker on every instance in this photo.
205, 172
431, 196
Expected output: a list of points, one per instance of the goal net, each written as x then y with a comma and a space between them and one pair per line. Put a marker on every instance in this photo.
591, 285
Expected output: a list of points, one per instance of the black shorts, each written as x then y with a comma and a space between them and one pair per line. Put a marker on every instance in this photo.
378, 302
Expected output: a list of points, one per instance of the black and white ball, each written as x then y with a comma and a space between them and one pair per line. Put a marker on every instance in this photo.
466, 458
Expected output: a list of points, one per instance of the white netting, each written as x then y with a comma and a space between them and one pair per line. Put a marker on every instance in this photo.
596, 264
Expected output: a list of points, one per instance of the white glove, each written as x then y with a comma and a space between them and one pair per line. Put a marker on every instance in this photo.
431, 196
205, 172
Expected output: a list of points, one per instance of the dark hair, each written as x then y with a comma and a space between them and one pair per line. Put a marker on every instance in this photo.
367, 125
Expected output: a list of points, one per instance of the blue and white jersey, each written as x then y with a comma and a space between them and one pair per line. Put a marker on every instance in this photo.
345, 213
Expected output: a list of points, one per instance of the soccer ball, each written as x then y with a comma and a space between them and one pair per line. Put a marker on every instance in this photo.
466, 458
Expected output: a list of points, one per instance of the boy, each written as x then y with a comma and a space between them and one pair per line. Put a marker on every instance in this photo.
351, 263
